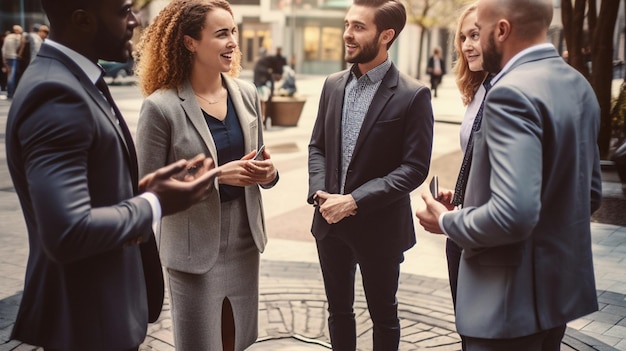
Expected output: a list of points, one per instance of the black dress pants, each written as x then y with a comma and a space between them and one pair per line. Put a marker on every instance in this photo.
133, 349
380, 272
453, 256
547, 340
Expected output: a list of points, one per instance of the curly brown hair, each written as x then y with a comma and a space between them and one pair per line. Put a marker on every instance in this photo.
163, 61
467, 81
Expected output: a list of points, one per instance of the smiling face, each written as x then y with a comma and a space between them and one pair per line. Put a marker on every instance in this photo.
215, 50
361, 37
470, 43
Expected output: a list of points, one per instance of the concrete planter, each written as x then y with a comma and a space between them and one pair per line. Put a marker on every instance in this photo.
285, 110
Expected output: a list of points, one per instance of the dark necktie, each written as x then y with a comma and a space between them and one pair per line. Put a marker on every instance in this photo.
461, 181
130, 146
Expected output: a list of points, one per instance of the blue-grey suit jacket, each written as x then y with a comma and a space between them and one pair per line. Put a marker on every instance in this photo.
534, 182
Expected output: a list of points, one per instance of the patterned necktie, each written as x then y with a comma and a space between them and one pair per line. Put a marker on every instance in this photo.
461, 181
130, 146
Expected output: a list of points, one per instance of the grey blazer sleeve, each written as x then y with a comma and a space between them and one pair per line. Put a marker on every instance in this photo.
509, 169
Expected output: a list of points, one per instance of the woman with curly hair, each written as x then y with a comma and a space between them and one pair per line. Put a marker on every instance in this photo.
187, 62
472, 82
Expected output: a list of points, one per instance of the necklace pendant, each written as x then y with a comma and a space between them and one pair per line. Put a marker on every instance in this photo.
207, 100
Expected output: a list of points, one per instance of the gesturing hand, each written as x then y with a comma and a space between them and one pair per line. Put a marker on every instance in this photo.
177, 195
247, 171
429, 216
261, 171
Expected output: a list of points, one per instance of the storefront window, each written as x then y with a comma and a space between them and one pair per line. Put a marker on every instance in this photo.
323, 44
24, 13
332, 44
311, 43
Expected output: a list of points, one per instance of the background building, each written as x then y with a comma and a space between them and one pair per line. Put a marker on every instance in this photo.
309, 32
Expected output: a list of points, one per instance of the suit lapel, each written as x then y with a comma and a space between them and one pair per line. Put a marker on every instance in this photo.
194, 113
245, 119
381, 98
88, 86
336, 109
121, 129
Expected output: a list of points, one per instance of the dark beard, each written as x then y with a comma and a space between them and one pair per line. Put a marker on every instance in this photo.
368, 52
491, 57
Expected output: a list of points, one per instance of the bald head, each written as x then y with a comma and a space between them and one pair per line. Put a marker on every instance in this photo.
528, 18
509, 26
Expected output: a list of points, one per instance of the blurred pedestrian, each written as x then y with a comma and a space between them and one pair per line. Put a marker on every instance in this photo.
436, 68
196, 105
31, 43
11, 59
3, 68
262, 74
287, 84
526, 267
37, 37
93, 277
370, 147
279, 63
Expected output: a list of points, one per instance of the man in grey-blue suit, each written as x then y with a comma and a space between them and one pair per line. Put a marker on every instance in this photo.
526, 268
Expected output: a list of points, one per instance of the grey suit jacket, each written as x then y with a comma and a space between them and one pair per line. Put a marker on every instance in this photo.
76, 178
390, 159
171, 127
534, 182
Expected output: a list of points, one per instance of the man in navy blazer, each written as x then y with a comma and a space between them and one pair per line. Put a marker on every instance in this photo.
93, 278
370, 147
526, 268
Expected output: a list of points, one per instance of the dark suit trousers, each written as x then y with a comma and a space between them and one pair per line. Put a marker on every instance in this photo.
547, 340
453, 255
380, 273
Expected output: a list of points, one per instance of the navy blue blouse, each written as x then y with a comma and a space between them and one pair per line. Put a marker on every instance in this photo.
228, 137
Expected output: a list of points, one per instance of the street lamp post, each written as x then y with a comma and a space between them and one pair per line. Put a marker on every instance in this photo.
22, 17
293, 35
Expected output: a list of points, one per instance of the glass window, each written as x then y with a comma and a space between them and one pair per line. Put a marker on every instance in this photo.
332, 44
311, 43
323, 44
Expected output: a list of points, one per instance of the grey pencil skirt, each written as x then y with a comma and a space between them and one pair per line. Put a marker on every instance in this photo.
196, 299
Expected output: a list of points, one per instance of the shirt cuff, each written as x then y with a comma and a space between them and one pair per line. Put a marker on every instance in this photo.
156, 209
440, 220
270, 184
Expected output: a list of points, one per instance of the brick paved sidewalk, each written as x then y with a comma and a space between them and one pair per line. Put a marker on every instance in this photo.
293, 314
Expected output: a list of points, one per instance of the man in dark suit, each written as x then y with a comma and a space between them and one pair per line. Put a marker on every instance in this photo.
93, 278
370, 147
526, 268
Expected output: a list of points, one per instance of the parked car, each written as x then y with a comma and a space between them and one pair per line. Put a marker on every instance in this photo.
117, 69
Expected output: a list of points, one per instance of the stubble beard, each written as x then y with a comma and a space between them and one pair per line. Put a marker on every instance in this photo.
492, 58
368, 53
